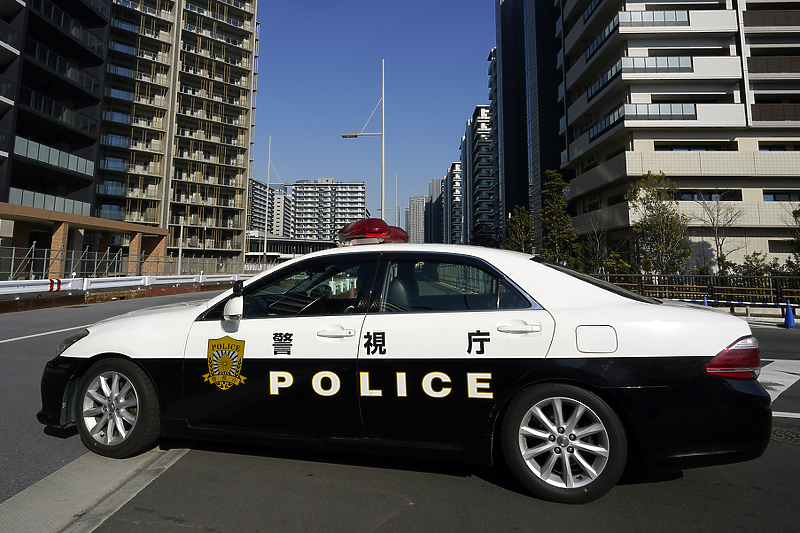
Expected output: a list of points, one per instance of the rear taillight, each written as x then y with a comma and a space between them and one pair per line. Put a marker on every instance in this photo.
740, 360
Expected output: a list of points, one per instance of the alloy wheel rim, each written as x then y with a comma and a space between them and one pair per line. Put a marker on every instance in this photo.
563, 442
110, 408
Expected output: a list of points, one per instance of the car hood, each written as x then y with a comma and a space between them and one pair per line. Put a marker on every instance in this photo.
158, 332
159, 310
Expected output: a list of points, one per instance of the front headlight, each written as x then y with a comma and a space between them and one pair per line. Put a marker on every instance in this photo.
72, 339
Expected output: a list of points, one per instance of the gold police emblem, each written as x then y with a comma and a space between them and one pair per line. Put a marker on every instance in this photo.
225, 362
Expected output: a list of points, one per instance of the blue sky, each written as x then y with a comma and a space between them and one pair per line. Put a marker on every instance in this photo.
319, 75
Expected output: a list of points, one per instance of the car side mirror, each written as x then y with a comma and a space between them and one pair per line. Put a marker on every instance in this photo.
234, 308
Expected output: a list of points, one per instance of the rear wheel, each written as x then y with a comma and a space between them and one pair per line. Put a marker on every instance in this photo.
117, 409
563, 443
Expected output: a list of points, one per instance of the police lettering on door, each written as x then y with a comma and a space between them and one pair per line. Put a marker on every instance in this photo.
433, 384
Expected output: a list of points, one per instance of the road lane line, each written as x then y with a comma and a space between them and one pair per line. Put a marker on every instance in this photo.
43, 334
785, 415
778, 376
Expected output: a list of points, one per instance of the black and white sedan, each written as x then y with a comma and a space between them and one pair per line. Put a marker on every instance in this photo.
440, 350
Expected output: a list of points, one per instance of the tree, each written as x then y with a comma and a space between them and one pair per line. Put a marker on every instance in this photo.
661, 232
559, 238
719, 215
521, 231
794, 231
754, 264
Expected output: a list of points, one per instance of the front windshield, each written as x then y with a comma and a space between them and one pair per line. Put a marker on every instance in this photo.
610, 287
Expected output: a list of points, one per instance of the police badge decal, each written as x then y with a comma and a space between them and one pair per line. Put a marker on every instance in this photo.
225, 362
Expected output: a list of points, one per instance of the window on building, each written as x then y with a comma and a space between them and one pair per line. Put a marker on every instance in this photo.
722, 195
780, 247
777, 196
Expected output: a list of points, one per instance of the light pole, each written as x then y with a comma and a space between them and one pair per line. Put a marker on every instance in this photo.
353, 135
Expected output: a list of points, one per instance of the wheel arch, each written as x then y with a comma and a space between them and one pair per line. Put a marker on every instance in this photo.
631, 436
84, 366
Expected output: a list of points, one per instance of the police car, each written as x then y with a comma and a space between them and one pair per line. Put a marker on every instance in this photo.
448, 350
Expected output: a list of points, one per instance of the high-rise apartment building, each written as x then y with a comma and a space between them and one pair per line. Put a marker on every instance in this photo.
452, 205
415, 218
133, 112
478, 178
434, 223
270, 207
706, 92
532, 23
324, 206
281, 211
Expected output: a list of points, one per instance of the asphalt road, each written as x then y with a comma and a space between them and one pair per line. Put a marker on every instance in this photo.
220, 487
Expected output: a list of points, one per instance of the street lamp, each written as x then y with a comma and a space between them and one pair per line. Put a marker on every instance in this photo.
353, 135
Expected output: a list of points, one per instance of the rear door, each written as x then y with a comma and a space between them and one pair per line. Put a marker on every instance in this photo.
448, 335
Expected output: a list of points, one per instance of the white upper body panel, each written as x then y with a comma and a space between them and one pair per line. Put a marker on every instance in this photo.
589, 321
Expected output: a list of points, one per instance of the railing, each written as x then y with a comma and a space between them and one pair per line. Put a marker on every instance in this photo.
46, 201
10, 36
714, 290
52, 156
58, 111
68, 24
63, 66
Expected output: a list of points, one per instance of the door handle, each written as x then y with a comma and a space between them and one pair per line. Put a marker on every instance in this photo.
336, 333
520, 329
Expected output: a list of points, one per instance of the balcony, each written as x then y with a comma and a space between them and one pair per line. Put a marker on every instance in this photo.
11, 38
242, 43
773, 67
776, 113
161, 14
7, 88
51, 156
45, 201
157, 57
771, 21
60, 65
158, 79
660, 116
691, 164
240, 24
155, 101
159, 35
111, 189
71, 26
58, 111
609, 218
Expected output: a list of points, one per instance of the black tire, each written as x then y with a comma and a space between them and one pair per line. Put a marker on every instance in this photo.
116, 409
575, 459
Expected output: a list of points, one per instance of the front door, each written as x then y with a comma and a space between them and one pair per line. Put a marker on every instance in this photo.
289, 365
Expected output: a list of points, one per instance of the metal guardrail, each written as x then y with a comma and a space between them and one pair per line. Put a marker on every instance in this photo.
69, 285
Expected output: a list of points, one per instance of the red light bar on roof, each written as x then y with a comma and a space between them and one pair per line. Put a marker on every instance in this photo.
370, 231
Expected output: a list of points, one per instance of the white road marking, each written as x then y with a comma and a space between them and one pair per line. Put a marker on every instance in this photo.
785, 415
778, 376
43, 334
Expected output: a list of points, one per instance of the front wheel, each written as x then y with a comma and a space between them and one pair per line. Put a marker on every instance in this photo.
117, 409
563, 443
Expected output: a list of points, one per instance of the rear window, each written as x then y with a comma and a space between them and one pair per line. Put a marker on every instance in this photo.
610, 287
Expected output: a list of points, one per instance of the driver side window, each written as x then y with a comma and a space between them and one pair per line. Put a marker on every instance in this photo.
323, 289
